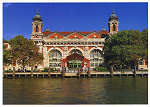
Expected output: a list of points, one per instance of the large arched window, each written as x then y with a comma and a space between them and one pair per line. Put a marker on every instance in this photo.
55, 59
96, 58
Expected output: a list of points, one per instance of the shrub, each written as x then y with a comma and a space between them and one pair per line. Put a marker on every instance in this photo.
52, 70
28, 70
46, 69
103, 69
8, 71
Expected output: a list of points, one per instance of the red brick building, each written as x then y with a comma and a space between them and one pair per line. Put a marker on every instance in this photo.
71, 50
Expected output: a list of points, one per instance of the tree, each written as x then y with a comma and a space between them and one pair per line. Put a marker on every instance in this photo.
145, 44
125, 48
25, 52
6, 56
5, 41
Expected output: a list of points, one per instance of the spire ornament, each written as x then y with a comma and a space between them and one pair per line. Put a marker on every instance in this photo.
47, 29
103, 28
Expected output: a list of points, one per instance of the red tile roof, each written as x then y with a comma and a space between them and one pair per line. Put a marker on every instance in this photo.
66, 33
104, 32
46, 33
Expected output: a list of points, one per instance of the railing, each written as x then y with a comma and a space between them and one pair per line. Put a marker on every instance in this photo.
78, 74
75, 71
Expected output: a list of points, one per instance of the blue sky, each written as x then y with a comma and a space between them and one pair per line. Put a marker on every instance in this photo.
17, 17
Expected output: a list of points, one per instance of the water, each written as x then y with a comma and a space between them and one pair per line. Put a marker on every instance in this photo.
76, 91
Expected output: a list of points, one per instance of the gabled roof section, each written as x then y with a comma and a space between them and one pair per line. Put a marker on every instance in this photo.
85, 33
104, 32
47, 33
61, 33
94, 35
65, 33
75, 35
54, 35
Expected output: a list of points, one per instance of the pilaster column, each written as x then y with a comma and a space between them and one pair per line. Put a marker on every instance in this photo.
86, 52
65, 52
46, 57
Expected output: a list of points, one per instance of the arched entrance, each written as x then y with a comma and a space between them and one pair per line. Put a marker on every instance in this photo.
75, 61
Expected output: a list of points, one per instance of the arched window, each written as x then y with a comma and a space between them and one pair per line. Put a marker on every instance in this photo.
96, 58
55, 59
37, 28
114, 27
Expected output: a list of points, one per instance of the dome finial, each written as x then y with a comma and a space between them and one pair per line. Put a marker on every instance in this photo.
47, 29
37, 12
103, 27
113, 11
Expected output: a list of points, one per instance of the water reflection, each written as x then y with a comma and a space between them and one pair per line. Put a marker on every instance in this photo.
75, 91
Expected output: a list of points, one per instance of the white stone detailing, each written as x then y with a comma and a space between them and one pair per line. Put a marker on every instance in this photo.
65, 52
46, 58
86, 52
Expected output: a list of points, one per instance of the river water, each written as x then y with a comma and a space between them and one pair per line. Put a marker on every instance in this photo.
125, 90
